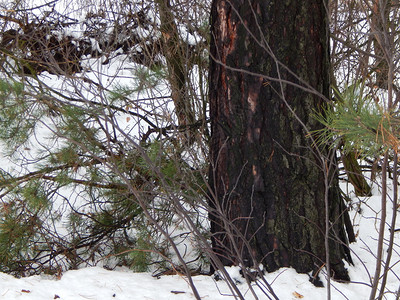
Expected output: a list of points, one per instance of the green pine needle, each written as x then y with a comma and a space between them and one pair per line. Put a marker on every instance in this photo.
360, 121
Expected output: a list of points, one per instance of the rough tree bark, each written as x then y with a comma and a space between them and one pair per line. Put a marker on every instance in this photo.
266, 179
176, 57
354, 173
379, 25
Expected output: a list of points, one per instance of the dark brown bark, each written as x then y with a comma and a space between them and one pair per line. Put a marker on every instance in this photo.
379, 25
176, 57
354, 173
266, 178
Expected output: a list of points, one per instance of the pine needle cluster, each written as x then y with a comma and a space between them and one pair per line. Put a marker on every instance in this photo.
93, 182
360, 122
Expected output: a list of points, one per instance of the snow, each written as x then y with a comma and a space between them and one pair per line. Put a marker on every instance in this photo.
98, 283
122, 283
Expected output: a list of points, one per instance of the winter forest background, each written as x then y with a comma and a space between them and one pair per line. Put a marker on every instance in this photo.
183, 137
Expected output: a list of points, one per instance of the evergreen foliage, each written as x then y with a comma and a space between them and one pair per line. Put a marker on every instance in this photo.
105, 182
361, 121
85, 169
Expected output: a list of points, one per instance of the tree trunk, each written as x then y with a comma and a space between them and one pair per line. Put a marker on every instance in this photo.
379, 25
176, 58
354, 173
267, 180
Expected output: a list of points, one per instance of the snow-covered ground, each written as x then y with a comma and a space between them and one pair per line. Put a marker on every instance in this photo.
99, 283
